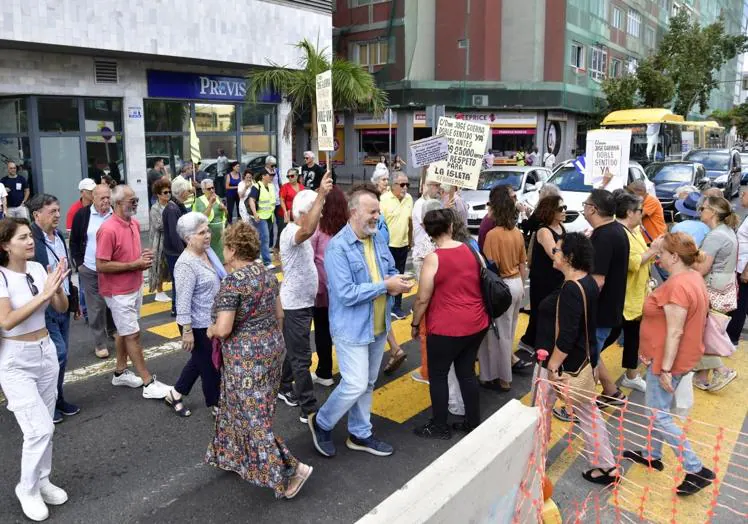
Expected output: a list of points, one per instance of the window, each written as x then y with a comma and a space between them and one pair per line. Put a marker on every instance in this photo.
598, 64
649, 37
371, 53
633, 65
599, 8
745, 83
577, 56
359, 3
58, 115
13, 116
634, 23
617, 18
616, 68
215, 117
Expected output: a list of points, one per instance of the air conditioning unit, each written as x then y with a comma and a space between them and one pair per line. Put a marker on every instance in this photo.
480, 100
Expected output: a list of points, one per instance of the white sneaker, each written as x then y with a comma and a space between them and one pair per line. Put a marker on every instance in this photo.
162, 297
327, 382
33, 505
51, 494
270, 266
156, 389
637, 383
456, 412
127, 378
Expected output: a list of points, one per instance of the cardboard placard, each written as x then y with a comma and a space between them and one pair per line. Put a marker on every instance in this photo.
428, 150
467, 143
607, 157
325, 114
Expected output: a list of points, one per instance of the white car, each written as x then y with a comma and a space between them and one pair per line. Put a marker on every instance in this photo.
574, 192
525, 180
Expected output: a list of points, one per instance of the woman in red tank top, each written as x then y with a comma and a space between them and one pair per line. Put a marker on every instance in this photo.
449, 289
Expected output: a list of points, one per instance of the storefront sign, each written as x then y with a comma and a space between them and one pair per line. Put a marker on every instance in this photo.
467, 142
325, 114
428, 150
502, 131
171, 84
134, 112
363, 120
607, 158
499, 119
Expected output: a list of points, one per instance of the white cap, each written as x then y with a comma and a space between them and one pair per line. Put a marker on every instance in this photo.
86, 184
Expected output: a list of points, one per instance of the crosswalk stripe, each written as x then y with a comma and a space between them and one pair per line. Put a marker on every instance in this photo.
166, 287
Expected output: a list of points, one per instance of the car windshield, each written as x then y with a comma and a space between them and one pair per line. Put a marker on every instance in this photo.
662, 173
568, 178
712, 160
490, 179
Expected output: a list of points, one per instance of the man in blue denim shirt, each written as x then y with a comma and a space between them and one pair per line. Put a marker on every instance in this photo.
361, 274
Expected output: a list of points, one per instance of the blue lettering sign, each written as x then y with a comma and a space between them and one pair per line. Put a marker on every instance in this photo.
172, 84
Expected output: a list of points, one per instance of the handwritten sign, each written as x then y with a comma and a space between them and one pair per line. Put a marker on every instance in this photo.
428, 150
607, 158
325, 115
466, 145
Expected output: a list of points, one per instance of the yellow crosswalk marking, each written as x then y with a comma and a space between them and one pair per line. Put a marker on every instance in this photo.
170, 330
153, 308
146, 293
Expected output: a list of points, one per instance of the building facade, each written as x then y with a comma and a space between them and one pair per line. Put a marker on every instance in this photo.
88, 87
531, 70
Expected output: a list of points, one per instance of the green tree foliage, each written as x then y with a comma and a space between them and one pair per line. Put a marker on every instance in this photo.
737, 116
353, 88
683, 70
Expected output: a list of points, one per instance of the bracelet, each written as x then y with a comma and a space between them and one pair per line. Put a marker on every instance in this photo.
186, 331
667, 371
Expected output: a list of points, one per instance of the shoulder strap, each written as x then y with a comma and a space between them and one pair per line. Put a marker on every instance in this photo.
478, 258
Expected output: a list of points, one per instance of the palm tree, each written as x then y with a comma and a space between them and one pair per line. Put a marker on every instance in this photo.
353, 88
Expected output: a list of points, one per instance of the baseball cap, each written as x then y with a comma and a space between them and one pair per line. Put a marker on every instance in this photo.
86, 184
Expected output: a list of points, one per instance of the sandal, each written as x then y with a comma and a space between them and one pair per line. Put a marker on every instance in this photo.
395, 362
299, 479
605, 478
177, 405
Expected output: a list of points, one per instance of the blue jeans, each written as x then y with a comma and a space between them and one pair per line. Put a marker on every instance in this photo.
601, 335
262, 229
58, 325
359, 369
664, 427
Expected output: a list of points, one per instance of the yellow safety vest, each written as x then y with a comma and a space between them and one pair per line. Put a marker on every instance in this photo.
266, 202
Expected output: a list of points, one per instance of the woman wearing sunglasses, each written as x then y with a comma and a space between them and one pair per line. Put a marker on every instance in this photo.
159, 272
28, 360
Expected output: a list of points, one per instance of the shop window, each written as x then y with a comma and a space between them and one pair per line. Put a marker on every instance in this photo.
103, 114
17, 150
162, 116
13, 116
373, 143
506, 146
61, 167
209, 146
258, 118
169, 148
598, 64
634, 23
58, 115
577, 55
105, 157
215, 117
254, 146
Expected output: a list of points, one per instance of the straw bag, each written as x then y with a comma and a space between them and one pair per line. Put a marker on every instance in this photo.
577, 386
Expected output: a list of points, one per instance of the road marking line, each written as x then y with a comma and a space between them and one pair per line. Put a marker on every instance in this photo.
166, 287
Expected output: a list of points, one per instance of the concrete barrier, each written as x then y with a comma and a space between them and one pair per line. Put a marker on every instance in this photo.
476, 481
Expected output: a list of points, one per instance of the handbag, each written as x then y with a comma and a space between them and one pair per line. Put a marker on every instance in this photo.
725, 300
577, 386
496, 295
716, 340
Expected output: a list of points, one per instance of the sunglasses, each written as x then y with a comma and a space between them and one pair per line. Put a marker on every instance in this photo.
166, 192
291, 176
588, 204
210, 188
32, 286
561, 209
404, 184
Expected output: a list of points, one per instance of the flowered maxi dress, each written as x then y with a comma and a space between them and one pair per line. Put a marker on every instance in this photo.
253, 355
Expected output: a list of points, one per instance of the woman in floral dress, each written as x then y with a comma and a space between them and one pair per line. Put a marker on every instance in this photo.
248, 321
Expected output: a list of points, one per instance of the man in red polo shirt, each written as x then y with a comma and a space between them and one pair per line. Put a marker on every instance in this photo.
120, 263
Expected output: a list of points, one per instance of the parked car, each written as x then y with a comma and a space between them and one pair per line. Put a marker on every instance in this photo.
744, 166
668, 177
523, 179
723, 167
574, 191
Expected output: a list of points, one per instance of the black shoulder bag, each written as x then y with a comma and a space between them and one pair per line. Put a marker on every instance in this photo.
496, 295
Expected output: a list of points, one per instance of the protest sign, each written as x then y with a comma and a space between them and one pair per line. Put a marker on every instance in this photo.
607, 158
428, 150
466, 144
325, 116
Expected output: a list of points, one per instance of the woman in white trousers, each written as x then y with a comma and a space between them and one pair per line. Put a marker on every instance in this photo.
28, 360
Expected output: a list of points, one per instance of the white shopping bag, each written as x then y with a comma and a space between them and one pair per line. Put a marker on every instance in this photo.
683, 399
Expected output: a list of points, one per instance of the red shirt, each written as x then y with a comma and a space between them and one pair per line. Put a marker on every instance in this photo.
71, 214
456, 308
287, 193
118, 240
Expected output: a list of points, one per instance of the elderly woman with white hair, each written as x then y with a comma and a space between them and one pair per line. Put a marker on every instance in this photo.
213, 209
181, 191
197, 277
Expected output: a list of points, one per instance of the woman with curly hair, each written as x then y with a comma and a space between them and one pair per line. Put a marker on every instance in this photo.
247, 321
334, 218
505, 247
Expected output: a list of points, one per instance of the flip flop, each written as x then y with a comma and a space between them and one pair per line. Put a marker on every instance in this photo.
605, 479
395, 362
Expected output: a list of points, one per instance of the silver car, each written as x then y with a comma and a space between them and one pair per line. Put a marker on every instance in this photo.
523, 179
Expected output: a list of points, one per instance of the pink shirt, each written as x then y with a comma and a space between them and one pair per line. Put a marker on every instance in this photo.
118, 240
319, 244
